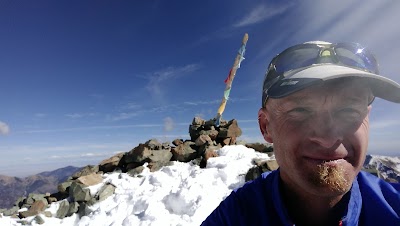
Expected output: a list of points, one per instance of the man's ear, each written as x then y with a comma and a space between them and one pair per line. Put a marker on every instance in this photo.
263, 122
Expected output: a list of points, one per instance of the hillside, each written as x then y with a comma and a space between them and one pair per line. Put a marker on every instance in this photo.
13, 187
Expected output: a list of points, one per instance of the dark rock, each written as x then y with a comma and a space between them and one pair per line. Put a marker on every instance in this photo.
198, 121
136, 171
261, 147
184, 152
73, 208
105, 192
83, 210
203, 139
38, 219
139, 154
110, 164
78, 192
177, 142
62, 209
63, 187
230, 130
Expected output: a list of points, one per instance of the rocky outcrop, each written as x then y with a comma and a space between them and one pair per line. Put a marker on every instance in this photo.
75, 197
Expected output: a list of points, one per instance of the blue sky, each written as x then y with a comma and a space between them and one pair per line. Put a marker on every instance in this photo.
82, 80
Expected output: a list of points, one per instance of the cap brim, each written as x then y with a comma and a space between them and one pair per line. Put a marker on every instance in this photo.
302, 78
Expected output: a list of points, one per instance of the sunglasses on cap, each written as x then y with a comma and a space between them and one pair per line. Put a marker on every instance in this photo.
302, 56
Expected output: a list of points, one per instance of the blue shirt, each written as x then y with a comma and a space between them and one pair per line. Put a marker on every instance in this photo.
372, 201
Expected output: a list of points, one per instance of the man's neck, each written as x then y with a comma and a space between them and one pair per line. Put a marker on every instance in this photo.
308, 209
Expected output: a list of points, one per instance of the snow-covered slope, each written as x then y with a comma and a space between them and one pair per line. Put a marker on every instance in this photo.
181, 194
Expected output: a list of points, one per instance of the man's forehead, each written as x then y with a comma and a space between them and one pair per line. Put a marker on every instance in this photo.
353, 90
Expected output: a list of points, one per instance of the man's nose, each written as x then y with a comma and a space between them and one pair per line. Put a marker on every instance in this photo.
325, 131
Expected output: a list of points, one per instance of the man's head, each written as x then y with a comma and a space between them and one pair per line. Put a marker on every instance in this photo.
316, 101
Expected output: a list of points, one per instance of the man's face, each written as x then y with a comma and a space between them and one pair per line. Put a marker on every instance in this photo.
320, 136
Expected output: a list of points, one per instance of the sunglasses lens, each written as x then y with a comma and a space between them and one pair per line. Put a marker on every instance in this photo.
297, 58
356, 56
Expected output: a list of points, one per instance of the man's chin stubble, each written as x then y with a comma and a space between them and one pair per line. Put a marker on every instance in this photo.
331, 176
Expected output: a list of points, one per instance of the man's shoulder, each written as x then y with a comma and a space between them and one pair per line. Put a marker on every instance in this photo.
379, 198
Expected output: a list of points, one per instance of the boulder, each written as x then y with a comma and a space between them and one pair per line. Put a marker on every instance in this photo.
63, 209
110, 164
36, 208
86, 171
79, 192
105, 192
89, 180
139, 154
184, 152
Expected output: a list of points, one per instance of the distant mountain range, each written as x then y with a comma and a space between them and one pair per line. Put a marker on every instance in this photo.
13, 187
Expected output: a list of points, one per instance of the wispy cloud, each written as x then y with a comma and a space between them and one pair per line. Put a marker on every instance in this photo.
123, 116
97, 127
168, 124
4, 128
157, 78
79, 115
262, 13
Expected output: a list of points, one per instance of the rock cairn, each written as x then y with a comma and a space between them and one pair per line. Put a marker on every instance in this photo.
75, 196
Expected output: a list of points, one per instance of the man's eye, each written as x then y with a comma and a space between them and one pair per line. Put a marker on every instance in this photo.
300, 110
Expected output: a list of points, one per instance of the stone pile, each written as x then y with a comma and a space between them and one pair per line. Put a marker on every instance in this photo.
75, 197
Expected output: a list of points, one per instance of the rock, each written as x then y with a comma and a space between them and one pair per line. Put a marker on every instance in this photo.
36, 208
231, 130
153, 144
63, 187
86, 171
160, 156
198, 121
89, 180
73, 208
136, 171
253, 173
139, 154
203, 139
62, 209
12, 211
47, 214
83, 210
39, 220
78, 192
110, 164
213, 134
105, 192
154, 166
194, 131
261, 147
184, 152
226, 141
51, 199
177, 142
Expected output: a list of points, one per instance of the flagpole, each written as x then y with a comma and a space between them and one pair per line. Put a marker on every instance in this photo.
228, 81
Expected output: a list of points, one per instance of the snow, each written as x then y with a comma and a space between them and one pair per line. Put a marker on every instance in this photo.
180, 194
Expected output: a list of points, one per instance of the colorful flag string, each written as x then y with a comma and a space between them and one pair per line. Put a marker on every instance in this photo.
228, 81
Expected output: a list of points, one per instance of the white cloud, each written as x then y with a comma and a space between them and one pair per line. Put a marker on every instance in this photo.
168, 124
4, 128
262, 13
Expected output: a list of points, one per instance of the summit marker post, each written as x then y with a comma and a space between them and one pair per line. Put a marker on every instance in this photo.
228, 81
